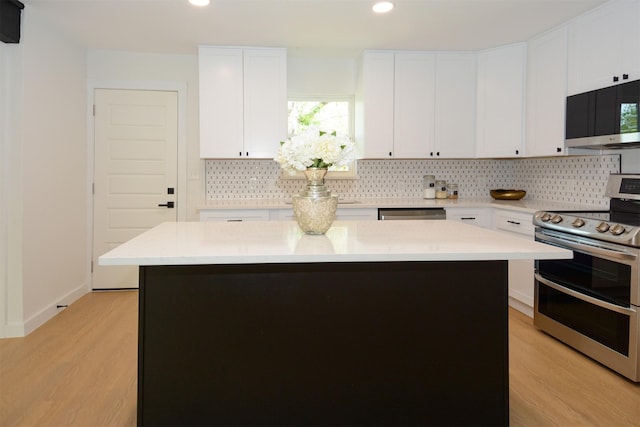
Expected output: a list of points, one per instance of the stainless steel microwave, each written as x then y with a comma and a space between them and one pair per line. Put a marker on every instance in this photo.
605, 118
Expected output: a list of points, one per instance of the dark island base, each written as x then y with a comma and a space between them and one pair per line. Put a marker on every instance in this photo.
395, 343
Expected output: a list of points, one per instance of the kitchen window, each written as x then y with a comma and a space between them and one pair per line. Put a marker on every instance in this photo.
330, 113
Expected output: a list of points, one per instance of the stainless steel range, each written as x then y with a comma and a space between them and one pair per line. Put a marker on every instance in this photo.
592, 302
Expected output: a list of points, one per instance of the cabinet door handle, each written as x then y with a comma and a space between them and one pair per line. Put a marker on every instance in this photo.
615, 78
517, 152
625, 76
438, 154
431, 154
168, 205
390, 154
559, 149
513, 222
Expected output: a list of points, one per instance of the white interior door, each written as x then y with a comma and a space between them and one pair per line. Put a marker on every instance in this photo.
135, 173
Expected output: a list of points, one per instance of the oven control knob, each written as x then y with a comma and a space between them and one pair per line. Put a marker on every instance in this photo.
617, 230
603, 227
545, 217
556, 219
578, 222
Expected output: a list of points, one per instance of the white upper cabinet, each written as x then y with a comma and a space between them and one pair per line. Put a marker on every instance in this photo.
221, 104
414, 95
265, 101
455, 109
546, 94
396, 119
604, 47
243, 101
417, 105
500, 102
374, 116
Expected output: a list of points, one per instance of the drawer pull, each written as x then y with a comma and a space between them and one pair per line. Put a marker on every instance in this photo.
468, 218
513, 222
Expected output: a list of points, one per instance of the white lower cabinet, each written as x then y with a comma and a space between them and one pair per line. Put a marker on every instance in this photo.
520, 271
341, 214
281, 215
480, 217
356, 214
233, 215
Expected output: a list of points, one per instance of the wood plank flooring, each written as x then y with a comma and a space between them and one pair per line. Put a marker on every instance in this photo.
79, 369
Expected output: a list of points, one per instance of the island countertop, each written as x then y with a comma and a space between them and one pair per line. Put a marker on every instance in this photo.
200, 243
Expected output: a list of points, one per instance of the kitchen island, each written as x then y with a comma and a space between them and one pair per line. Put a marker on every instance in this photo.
374, 323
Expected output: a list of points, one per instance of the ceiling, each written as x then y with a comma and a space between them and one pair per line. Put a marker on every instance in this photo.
337, 27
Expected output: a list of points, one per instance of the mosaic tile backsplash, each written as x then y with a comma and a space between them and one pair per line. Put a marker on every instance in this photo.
579, 179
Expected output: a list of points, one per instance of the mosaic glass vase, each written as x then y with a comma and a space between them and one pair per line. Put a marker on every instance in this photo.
315, 206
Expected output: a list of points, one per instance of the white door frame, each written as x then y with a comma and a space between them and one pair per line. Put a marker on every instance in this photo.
181, 201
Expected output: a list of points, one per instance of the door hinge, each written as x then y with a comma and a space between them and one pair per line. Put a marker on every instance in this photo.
94, 110
92, 266
93, 188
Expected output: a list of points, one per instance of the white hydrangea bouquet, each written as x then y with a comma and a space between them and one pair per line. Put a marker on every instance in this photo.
315, 148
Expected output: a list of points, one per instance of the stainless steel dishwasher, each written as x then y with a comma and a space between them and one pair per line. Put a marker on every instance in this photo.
386, 214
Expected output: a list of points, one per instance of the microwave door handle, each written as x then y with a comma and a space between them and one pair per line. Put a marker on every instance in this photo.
581, 246
586, 298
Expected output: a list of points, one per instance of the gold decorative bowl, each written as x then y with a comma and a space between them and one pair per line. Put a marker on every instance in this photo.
507, 194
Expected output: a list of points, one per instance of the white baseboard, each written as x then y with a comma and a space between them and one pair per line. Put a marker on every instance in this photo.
40, 318
521, 307
12, 330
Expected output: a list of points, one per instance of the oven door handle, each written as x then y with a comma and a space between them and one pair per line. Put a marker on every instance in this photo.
583, 297
569, 243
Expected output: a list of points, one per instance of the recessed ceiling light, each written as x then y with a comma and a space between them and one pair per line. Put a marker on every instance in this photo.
199, 2
382, 7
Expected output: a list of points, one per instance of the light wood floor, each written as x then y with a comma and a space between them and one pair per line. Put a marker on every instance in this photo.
79, 369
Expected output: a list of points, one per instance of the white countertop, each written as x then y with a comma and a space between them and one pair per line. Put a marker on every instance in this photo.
523, 205
190, 243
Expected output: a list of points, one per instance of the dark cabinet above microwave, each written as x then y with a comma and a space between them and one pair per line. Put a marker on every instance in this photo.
604, 118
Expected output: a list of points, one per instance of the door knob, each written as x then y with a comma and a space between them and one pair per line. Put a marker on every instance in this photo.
168, 205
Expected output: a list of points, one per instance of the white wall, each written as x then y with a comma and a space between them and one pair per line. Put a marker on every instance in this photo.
45, 254
330, 76
11, 305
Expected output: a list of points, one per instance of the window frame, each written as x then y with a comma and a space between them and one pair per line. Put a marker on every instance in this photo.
350, 99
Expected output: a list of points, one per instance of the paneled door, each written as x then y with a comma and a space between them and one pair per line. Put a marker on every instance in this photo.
135, 173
